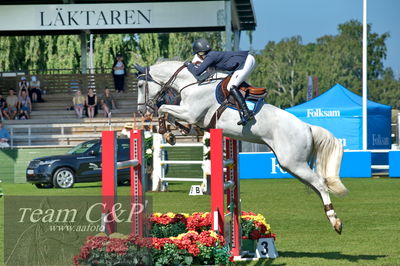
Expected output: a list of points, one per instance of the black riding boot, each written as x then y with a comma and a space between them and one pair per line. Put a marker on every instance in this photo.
245, 113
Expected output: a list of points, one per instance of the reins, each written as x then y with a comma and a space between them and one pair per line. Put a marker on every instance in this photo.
151, 103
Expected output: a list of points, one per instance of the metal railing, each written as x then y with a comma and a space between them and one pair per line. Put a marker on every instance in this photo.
29, 136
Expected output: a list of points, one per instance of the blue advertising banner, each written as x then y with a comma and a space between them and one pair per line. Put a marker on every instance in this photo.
264, 165
260, 165
394, 163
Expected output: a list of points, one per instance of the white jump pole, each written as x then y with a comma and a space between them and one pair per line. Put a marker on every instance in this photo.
159, 164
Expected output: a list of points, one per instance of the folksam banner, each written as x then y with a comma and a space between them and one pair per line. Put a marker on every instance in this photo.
264, 165
340, 111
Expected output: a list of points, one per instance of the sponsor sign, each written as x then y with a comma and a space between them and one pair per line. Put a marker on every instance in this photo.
394, 163
265, 165
113, 16
319, 112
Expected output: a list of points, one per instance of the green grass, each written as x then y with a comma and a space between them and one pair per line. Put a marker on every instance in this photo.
371, 216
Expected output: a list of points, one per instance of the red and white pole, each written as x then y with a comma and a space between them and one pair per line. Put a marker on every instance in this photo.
218, 187
137, 174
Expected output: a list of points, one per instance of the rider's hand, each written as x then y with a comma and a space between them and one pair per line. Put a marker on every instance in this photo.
187, 63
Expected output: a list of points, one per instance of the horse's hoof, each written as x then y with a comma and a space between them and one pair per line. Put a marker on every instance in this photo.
162, 129
170, 138
184, 131
338, 226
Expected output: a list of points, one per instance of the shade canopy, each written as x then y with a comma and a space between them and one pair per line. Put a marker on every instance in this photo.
340, 111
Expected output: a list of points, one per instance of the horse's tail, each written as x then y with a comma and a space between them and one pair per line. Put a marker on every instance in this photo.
327, 155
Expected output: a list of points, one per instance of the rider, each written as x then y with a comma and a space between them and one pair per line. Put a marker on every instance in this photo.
240, 63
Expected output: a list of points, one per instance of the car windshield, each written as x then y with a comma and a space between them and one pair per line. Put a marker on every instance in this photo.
82, 148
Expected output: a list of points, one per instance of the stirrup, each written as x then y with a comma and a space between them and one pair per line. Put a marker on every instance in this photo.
243, 119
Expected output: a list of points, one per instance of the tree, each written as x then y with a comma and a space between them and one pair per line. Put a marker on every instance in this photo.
385, 90
283, 67
280, 69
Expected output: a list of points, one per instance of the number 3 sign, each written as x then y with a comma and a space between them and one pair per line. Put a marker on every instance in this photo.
266, 248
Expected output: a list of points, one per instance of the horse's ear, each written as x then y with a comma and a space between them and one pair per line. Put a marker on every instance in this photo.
140, 69
143, 72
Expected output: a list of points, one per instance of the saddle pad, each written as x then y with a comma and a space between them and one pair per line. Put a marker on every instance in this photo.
253, 105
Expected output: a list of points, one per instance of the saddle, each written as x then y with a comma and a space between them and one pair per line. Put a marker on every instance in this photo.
249, 92
253, 96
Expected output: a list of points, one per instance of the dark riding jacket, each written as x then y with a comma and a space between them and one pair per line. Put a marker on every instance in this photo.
224, 61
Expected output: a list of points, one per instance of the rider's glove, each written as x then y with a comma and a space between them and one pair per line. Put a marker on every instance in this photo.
187, 63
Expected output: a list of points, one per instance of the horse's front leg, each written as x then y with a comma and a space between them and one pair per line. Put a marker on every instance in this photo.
179, 112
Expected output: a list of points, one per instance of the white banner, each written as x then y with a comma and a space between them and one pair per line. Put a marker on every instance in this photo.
112, 16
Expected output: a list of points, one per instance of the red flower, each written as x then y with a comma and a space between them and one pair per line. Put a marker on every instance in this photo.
248, 213
158, 243
180, 218
95, 242
206, 239
262, 227
194, 249
255, 234
117, 245
198, 221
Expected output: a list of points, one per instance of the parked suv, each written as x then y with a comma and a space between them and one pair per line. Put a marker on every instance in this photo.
81, 164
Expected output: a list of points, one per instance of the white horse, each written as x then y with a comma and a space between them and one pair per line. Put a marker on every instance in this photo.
298, 146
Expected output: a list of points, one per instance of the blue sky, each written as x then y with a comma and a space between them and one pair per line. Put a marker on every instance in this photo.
311, 19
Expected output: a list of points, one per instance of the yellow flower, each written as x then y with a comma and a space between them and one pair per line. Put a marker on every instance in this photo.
118, 235
157, 214
213, 234
170, 214
179, 237
186, 215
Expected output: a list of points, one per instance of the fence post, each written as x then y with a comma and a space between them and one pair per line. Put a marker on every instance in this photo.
138, 181
217, 180
233, 200
109, 185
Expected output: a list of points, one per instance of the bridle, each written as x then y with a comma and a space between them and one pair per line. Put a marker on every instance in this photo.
151, 103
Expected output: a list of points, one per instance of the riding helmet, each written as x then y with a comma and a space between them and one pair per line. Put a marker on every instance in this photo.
201, 45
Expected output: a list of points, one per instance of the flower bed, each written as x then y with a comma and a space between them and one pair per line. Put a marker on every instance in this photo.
176, 239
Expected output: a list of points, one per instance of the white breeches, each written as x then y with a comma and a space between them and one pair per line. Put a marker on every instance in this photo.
240, 75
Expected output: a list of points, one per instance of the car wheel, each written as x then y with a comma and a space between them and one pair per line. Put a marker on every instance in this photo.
63, 178
44, 185
124, 183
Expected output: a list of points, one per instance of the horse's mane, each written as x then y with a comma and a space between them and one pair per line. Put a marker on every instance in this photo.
162, 60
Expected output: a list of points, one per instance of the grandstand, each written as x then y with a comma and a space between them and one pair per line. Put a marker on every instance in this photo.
52, 122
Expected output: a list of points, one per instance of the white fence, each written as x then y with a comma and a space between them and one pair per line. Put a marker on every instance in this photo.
160, 164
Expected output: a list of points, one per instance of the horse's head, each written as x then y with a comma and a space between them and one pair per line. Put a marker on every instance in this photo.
155, 81
147, 89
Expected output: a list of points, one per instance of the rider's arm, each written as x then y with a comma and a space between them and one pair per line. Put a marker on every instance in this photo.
196, 70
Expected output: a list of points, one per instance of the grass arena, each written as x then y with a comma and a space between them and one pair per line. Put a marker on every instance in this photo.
103, 179
370, 235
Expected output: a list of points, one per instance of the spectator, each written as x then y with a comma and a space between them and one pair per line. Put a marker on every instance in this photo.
23, 85
119, 71
25, 105
4, 136
91, 103
35, 91
107, 102
10, 111
79, 102
3, 105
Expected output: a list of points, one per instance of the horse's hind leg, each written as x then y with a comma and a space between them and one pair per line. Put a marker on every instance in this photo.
317, 183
